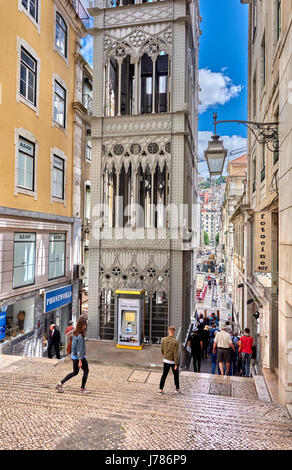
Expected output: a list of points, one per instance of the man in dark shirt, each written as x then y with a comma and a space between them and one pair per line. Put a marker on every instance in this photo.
195, 343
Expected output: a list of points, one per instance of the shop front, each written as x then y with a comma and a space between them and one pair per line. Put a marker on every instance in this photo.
57, 310
17, 322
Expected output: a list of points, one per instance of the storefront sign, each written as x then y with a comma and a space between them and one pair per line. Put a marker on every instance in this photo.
3, 322
57, 298
262, 240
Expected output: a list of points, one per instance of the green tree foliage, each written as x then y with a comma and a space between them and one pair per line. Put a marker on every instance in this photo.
206, 238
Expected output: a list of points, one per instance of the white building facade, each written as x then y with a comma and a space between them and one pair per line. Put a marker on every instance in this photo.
144, 162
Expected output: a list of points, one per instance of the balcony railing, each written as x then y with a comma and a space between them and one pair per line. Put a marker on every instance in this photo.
121, 3
87, 102
81, 12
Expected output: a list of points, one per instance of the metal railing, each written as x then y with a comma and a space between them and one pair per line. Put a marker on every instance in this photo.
87, 102
81, 12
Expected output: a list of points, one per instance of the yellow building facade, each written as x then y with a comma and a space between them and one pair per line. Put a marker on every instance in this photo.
42, 122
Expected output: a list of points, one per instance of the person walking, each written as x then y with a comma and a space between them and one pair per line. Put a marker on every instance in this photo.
206, 338
246, 344
213, 353
195, 343
234, 355
69, 328
223, 342
170, 350
78, 355
54, 341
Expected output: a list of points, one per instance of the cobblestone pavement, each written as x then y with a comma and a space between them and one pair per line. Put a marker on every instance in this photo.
125, 412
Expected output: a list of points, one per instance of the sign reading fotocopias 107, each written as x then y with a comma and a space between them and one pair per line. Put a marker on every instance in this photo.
263, 242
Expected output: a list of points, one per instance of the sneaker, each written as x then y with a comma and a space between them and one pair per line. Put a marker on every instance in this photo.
85, 391
178, 391
161, 392
59, 388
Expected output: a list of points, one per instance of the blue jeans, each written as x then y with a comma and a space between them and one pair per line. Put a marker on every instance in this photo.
246, 357
213, 361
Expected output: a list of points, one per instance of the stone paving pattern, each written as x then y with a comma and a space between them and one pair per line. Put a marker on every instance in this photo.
125, 412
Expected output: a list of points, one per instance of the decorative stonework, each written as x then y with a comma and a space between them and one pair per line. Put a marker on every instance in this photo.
137, 42
148, 270
137, 15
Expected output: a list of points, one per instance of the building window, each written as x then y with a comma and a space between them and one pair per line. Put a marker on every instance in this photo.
88, 148
278, 18
31, 7
58, 177
61, 35
254, 174
254, 18
57, 250
24, 259
26, 155
162, 65
59, 104
263, 60
87, 202
146, 84
263, 170
28, 74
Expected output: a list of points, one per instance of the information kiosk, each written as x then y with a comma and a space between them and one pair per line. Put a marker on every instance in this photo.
130, 313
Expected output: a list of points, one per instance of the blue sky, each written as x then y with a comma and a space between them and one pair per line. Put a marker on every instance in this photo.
223, 65
223, 71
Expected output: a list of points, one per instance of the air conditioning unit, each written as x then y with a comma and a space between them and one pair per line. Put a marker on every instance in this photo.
79, 271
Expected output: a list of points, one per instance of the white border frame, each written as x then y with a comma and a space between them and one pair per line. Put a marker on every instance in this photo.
37, 24
21, 132
59, 153
56, 77
19, 98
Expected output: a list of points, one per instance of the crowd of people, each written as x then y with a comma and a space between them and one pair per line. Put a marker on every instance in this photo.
231, 353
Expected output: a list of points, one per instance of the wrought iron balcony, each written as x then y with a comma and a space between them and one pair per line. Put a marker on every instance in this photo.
87, 102
81, 12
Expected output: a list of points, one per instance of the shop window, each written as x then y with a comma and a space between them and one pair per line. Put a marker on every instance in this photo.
25, 171
57, 251
24, 259
19, 319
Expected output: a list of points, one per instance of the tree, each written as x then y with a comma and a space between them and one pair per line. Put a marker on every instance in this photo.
206, 238
217, 238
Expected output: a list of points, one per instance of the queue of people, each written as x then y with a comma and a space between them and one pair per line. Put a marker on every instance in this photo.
231, 353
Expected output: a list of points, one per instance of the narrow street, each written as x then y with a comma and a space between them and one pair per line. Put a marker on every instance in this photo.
124, 410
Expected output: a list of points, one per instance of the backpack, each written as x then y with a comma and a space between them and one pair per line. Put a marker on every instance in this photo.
69, 345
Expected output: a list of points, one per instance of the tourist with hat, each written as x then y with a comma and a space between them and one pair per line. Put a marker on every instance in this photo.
223, 343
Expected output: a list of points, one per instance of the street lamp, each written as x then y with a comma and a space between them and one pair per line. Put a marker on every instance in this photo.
215, 156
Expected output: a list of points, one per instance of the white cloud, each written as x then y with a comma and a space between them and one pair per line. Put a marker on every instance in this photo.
217, 88
234, 142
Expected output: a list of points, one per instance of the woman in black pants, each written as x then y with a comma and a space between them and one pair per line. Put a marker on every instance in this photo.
78, 352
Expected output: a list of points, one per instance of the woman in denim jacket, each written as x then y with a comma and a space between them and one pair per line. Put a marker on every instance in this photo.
78, 352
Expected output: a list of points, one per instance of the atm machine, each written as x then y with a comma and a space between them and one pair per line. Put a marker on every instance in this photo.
130, 304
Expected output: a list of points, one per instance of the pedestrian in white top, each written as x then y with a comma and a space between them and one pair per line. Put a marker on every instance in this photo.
223, 343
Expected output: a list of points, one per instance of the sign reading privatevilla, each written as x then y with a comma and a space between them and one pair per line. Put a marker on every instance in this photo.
263, 242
